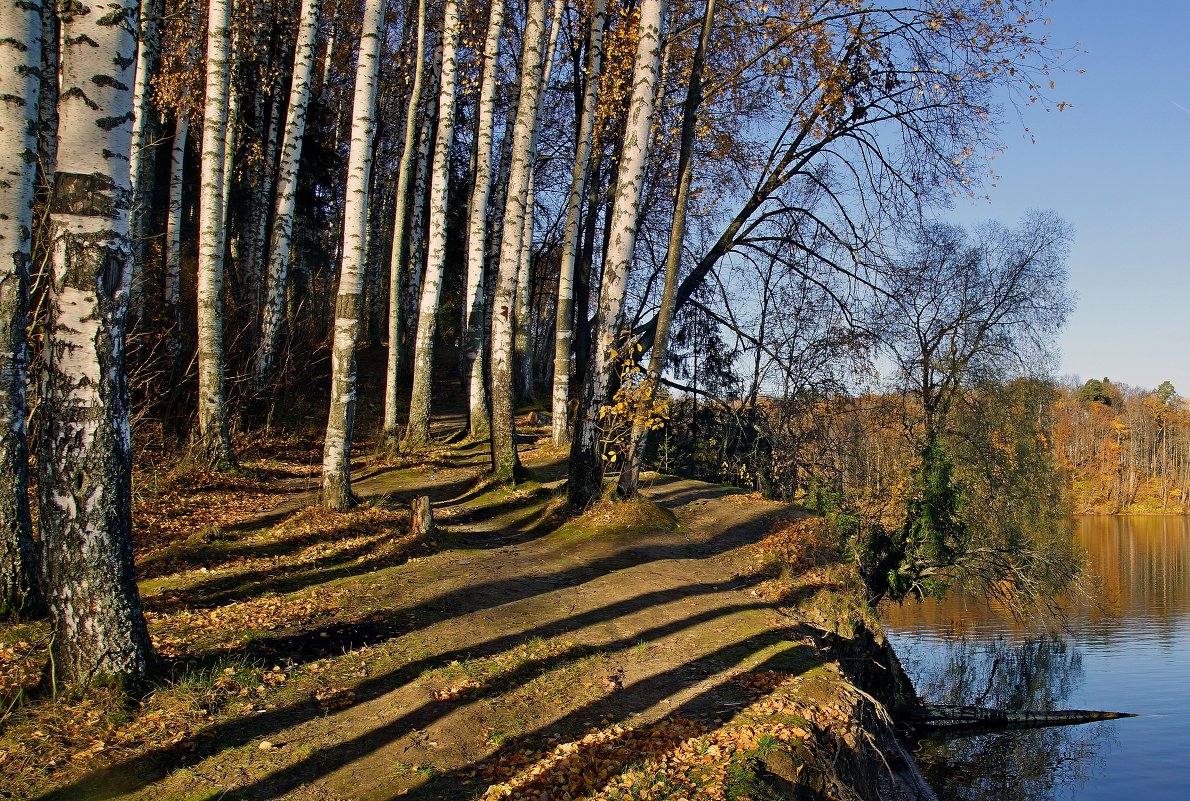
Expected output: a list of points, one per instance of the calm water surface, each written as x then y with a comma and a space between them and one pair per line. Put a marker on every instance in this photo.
1128, 651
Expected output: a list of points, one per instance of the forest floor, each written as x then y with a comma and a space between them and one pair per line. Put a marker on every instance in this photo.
658, 648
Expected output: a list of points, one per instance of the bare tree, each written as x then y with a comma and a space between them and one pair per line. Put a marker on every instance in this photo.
400, 246
481, 192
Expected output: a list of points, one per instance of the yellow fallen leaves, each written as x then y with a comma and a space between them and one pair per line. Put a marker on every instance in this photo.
20, 666
673, 758
176, 634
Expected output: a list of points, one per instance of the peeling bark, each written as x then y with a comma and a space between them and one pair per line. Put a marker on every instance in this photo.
85, 464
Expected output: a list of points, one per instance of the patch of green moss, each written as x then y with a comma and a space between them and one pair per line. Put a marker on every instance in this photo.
615, 518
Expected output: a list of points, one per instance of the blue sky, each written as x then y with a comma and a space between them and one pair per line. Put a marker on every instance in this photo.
1117, 166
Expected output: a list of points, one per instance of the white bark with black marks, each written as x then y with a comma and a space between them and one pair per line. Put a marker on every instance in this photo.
98, 631
336, 455
20, 84
417, 430
505, 462
144, 131
411, 293
400, 246
291, 154
580, 178
523, 336
630, 472
172, 284
214, 440
481, 192
585, 482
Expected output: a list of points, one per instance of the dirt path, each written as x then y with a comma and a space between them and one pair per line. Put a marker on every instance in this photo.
520, 632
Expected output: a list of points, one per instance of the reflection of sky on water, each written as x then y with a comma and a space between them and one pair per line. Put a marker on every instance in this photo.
1131, 643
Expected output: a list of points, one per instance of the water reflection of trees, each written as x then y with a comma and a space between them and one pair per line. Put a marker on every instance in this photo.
1035, 674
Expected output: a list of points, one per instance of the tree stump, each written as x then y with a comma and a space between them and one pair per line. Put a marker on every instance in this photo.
421, 517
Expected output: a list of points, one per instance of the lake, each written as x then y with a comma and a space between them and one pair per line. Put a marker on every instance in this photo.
1127, 650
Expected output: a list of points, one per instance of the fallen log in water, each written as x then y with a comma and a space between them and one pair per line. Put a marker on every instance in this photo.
950, 717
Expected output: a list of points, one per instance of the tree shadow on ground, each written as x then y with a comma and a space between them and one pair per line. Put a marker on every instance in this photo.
302, 645
673, 491
142, 770
705, 706
218, 549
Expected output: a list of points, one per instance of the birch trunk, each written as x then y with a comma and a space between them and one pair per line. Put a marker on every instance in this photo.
336, 457
505, 462
20, 62
291, 154
144, 127
98, 631
212, 402
523, 336
232, 129
417, 243
630, 472
523, 332
173, 239
481, 192
580, 178
585, 482
377, 233
417, 431
400, 248
262, 201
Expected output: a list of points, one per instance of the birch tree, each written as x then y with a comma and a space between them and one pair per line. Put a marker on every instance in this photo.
523, 335
291, 154
630, 472
505, 462
148, 58
481, 192
586, 462
20, 83
98, 630
336, 458
400, 247
580, 178
172, 284
214, 440
418, 429
411, 293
